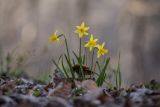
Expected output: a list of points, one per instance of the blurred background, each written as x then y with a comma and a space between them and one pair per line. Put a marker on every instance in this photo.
131, 27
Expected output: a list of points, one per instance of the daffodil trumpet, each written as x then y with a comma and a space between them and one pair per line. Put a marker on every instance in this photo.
54, 37
101, 50
82, 30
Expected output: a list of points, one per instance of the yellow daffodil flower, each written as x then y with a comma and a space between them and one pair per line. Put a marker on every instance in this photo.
82, 30
101, 50
91, 43
54, 37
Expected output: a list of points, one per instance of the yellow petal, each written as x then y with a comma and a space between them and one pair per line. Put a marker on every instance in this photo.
51, 39
106, 51
86, 45
85, 33
86, 28
78, 27
98, 46
76, 31
103, 44
91, 38
82, 25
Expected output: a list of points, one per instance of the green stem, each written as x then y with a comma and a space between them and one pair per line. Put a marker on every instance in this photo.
68, 56
92, 59
80, 58
67, 47
94, 69
80, 42
86, 55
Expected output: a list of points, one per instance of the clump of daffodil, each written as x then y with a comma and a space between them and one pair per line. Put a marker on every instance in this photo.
79, 64
101, 50
54, 37
92, 43
82, 30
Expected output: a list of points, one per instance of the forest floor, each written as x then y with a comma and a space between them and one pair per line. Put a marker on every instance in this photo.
23, 92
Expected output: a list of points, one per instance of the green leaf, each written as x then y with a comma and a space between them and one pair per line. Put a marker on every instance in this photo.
84, 59
70, 66
102, 76
73, 62
109, 85
80, 62
65, 71
58, 67
98, 65
118, 74
77, 58
66, 43
81, 69
59, 59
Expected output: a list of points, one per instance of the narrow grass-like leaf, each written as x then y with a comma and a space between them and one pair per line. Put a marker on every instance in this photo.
98, 80
80, 62
77, 58
98, 65
59, 59
70, 66
92, 59
58, 67
65, 71
86, 56
118, 74
99, 68
102, 75
103, 79
73, 62
66, 43
81, 69
84, 59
